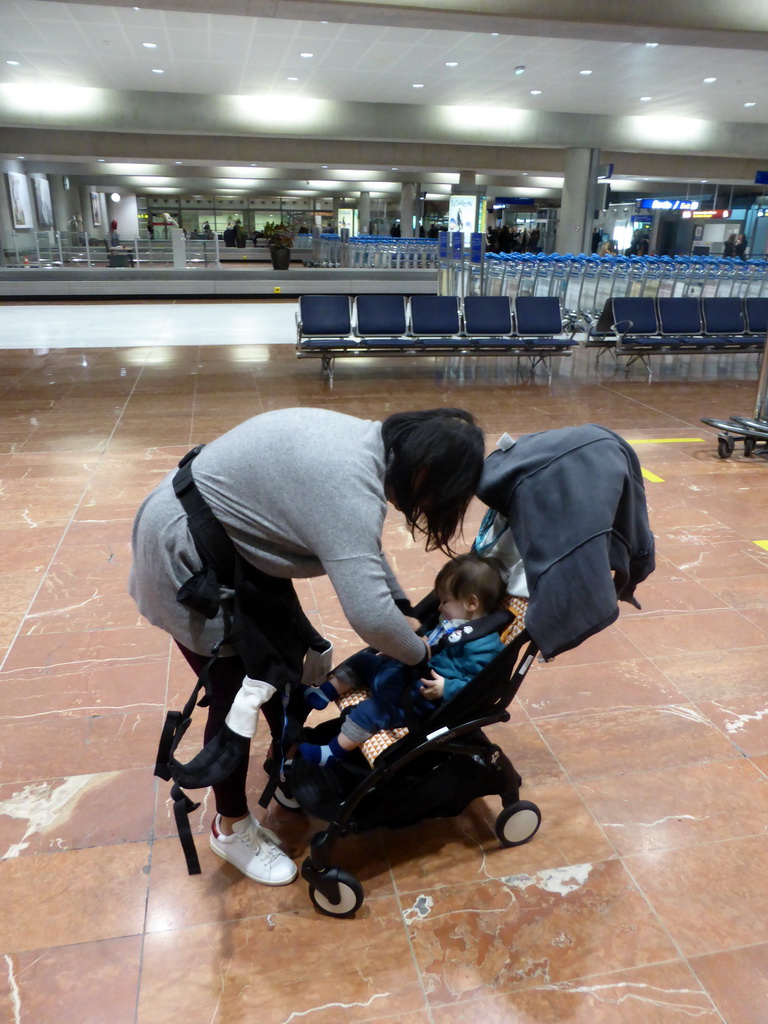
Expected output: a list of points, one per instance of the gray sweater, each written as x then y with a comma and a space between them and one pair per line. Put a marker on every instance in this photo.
301, 493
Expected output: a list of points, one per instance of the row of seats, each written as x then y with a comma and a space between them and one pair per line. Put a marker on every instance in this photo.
340, 325
641, 326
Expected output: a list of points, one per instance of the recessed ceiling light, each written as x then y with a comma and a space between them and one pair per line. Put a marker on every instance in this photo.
520, 69
291, 78
325, 167
585, 72
395, 168
646, 99
157, 71
306, 55
652, 44
494, 33
535, 92
101, 159
751, 104
418, 85
451, 63
13, 63
709, 81
150, 46
178, 161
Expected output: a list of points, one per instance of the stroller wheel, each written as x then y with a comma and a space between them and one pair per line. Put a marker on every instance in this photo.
350, 896
286, 799
518, 823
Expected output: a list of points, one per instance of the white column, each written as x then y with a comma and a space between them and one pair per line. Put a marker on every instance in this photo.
577, 207
407, 198
364, 213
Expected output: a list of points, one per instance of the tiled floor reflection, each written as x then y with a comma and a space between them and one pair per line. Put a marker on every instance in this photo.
643, 899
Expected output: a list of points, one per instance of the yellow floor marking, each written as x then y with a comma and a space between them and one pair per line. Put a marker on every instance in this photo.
762, 544
663, 440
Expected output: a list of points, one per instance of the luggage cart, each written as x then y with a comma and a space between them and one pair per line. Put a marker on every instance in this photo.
751, 432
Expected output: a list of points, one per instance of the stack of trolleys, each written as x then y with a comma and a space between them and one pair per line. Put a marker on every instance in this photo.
757, 284
668, 271
513, 275
751, 432
495, 272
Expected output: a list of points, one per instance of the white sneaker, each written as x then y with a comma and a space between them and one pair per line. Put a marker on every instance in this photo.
255, 851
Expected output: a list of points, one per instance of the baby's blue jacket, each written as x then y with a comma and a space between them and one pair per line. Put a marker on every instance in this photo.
460, 664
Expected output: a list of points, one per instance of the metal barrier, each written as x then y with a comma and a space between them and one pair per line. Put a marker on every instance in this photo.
71, 248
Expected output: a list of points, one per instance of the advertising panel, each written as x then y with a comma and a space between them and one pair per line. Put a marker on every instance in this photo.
462, 211
348, 219
21, 208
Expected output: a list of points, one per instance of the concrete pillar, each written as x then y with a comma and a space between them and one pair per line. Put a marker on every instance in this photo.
407, 198
125, 212
577, 207
364, 213
468, 179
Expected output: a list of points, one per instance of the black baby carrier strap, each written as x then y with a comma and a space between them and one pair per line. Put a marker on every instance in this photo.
263, 622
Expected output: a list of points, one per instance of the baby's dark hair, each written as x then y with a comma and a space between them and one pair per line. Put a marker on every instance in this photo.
470, 574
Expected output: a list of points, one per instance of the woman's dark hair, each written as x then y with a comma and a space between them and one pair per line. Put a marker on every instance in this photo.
434, 459
470, 575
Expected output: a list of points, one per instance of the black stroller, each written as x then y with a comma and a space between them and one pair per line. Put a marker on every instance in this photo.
573, 501
436, 770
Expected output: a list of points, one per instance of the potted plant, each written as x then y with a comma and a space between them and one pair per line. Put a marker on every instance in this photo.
279, 239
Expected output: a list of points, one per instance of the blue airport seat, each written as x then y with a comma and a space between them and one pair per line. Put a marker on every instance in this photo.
724, 321
380, 320
636, 322
324, 320
539, 319
488, 318
435, 318
757, 316
679, 318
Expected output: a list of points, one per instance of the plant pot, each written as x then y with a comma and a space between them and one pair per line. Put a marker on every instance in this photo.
280, 256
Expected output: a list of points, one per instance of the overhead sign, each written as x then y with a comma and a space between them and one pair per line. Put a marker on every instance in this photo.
669, 204
707, 214
761, 178
501, 201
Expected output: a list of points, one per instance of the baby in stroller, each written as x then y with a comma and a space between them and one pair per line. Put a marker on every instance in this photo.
468, 588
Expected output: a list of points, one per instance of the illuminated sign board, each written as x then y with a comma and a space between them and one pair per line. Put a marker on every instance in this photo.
462, 211
670, 204
707, 214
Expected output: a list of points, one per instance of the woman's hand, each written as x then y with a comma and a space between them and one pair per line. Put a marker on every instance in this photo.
432, 689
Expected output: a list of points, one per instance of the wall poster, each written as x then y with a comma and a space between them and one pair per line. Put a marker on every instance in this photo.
43, 200
95, 211
21, 209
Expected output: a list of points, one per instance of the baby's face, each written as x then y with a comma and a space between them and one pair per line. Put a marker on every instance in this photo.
455, 608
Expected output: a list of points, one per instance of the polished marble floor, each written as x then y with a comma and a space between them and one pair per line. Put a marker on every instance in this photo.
643, 899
